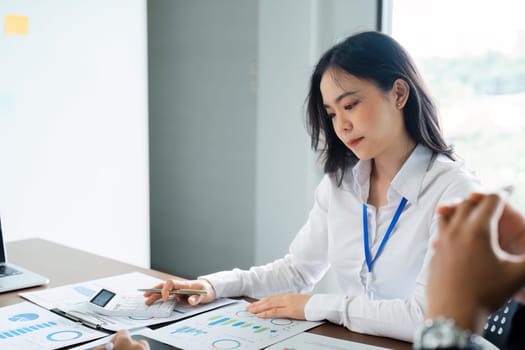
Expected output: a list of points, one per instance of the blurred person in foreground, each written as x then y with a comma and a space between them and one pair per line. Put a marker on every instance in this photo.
479, 263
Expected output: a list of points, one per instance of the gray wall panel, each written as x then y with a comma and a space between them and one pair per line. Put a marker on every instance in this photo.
202, 134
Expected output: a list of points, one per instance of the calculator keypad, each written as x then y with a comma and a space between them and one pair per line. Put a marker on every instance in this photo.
136, 307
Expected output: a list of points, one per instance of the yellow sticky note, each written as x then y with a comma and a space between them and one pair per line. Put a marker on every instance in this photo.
16, 25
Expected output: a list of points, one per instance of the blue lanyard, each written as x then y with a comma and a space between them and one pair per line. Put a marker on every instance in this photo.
369, 260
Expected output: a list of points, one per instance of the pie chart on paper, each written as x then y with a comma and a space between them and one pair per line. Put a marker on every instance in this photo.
23, 317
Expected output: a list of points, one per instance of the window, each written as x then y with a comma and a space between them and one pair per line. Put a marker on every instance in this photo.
472, 57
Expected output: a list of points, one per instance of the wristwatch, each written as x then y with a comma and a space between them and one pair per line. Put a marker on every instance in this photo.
442, 333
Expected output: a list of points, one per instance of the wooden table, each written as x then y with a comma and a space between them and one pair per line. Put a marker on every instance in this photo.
64, 265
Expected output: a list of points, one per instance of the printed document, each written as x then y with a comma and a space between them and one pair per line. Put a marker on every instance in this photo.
230, 327
310, 341
26, 326
73, 299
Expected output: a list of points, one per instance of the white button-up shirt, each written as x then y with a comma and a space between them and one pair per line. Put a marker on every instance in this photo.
333, 237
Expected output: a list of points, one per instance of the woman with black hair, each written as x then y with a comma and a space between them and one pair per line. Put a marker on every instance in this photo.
387, 167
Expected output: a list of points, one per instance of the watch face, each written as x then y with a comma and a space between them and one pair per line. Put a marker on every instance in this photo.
438, 336
441, 333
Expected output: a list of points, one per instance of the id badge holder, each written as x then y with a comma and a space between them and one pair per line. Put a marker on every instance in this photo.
368, 285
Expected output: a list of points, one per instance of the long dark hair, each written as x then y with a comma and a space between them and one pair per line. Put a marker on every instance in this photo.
378, 58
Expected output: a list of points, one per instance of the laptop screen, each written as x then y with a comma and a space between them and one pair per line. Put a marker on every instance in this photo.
2, 248
14, 277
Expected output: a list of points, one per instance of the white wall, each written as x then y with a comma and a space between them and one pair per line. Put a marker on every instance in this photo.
73, 126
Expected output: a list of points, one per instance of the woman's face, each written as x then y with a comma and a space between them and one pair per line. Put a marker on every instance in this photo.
365, 118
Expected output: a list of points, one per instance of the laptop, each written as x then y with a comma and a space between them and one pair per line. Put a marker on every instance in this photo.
15, 277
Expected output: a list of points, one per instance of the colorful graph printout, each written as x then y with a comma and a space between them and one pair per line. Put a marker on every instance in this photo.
25, 326
230, 327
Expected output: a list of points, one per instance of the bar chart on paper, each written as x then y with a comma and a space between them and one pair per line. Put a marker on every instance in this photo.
230, 327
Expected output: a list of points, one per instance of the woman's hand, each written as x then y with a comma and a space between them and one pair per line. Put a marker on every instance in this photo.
183, 284
283, 305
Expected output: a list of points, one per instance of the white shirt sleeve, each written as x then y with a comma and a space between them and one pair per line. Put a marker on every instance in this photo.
280, 276
297, 272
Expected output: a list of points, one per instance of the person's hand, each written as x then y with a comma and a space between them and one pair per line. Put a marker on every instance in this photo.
510, 235
467, 279
520, 296
511, 225
122, 341
283, 305
511, 231
183, 284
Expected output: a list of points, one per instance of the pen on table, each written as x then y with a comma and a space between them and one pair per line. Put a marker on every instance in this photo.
176, 291
83, 320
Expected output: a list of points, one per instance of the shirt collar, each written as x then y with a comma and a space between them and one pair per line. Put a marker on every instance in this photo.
409, 178
406, 183
361, 175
